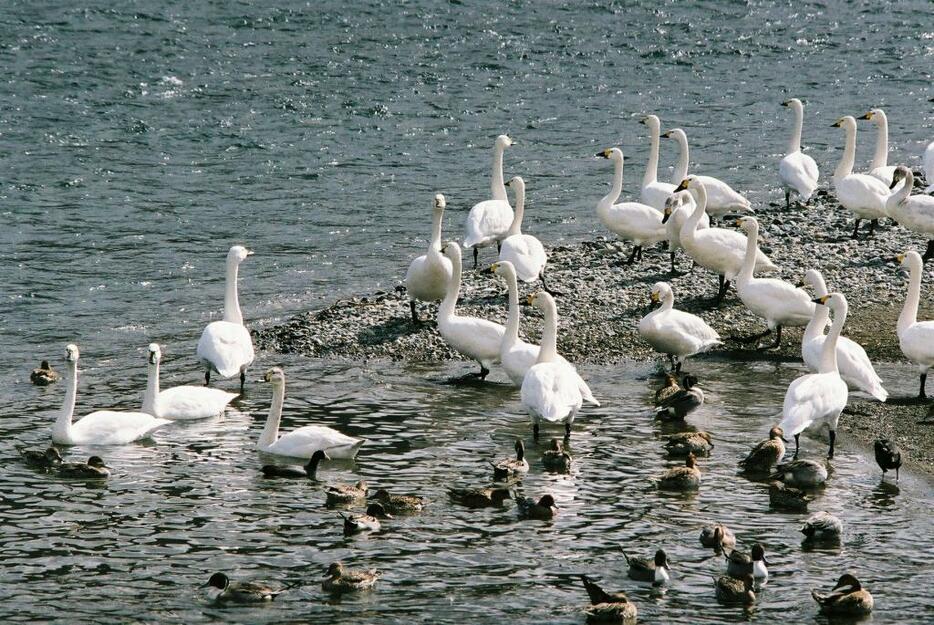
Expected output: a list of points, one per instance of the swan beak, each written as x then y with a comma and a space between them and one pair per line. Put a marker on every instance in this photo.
530, 300
821, 300
895, 180
667, 214
683, 186
604, 154
667, 134
786, 103
739, 222
836, 124
249, 252
494, 267
867, 115
900, 258
654, 297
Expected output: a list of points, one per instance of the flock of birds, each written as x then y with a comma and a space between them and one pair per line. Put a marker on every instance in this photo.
552, 391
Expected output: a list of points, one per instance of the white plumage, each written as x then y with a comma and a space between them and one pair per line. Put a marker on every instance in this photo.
525, 252
880, 168
488, 221
428, 275
678, 208
654, 193
721, 197
915, 212
927, 163
181, 402
861, 194
797, 170
675, 332
916, 338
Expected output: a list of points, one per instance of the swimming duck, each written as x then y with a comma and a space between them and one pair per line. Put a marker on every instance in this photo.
44, 375
680, 404
670, 387
399, 504
822, 526
848, 597
643, 570
606, 607
733, 590
479, 497
94, 468
739, 563
242, 592
557, 458
369, 522
800, 473
512, 467
345, 494
544, 509
47, 459
697, 443
340, 580
788, 497
766, 454
888, 456
682, 478
718, 537
309, 472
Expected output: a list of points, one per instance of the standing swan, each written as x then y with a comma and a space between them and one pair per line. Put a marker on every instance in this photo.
797, 170
852, 362
862, 194
304, 441
517, 356
819, 397
677, 209
915, 212
776, 301
654, 193
525, 252
225, 346
550, 390
488, 221
102, 427
721, 198
181, 402
880, 168
676, 333
630, 221
478, 339
916, 338
428, 275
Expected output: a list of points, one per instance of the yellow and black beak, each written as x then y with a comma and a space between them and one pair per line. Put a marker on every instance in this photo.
667, 134
786, 103
837, 123
867, 115
739, 222
900, 258
604, 154
531, 299
683, 186
494, 267
654, 297
821, 300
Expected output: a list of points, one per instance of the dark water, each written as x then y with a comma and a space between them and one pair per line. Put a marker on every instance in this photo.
137, 143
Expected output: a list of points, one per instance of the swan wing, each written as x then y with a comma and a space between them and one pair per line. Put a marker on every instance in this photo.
863, 194
305, 441
550, 390
917, 342
487, 221
427, 278
476, 338
656, 193
518, 359
526, 253
799, 171
192, 402
915, 213
778, 301
811, 398
227, 347
722, 198
111, 427
634, 221
856, 369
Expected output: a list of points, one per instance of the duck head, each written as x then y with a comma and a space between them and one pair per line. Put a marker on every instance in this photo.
547, 501
377, 510
689, 381
380, 495
499, 495
97, 462
777, 432
661, 559
520, 449
318, 456
336, 569
218, 580
690, 461
848, 579
758, 553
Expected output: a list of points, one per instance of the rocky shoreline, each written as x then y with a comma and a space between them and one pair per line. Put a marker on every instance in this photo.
603, 299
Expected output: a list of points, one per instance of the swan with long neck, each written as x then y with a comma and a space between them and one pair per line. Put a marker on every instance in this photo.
916, 338
517, 356
678, 207
478, 339
915, 212
781, 304
428, 275
654, 193
488, 222
675, 333
721, 197
225, 346
854, 365
861, 194
880, 167
630, 221
304, 441
180, 402
717, 249
550, 389
797, 170
102, 427
525, 252
819, 397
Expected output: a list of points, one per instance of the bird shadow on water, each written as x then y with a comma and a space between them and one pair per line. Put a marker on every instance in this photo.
883, 496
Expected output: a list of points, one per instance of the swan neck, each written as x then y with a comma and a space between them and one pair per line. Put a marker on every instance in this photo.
549, 348
512, 320
446, 310
700, 206
749, 259
909, 315
845, 168
881, 157
610, 198
516, 226
270, 432
152, 389
231, 299
794, 143
828, 361
681, 170
62, 428
904, 190
668, 302
435, 244
498, 185
651, 168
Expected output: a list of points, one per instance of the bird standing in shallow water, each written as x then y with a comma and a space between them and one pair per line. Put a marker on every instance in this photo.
888, 456
766, 454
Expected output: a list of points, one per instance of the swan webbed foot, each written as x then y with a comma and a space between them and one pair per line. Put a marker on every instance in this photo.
415, 318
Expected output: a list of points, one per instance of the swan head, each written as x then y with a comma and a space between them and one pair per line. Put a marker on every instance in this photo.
652, 122
909, 261
155, 354
611, 153
275, 376
793, 103
675, 133
660, 291
814, 278
503, 268
238, 254
901, 173
874, 114
836, 301
691, 182
504, 141
440, 203
71, 352
542, 301
777, 432
218, 580
518, 183
846, 122
452, 250
748, 224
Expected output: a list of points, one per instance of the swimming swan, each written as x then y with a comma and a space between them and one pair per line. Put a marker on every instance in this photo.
861, 194
488, 221
654, 193
915, 212
797, 170
916, 338
525, 252
428, 275
181, 402
721, 198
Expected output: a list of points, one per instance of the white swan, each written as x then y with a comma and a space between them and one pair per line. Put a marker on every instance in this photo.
428, 275
778, 302
525, 252
862, 194
488, 221
550, 390
717, 249
916, 338
852, 362
797, 170
517, 356
674, 332
927, 163
225, 346
102, 427
630, 221
819, 397
721, 198
915, 212
475, 338
654, 193
678, 207
181, 402
880, 168
304, 441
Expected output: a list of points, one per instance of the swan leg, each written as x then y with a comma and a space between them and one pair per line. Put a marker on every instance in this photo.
672, 262
541, 277
632, 257
678, 366
242, 380
207, 377
929, 254
414, 314
567, 430
872, 227
535, 430
856, 229
499, 246
778, 340
640, 252
797, 436
924, 379
787, 199
476, 253
671, 361
833, 439
721, 293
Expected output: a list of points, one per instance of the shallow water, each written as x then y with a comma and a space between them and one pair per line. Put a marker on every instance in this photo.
140, 142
